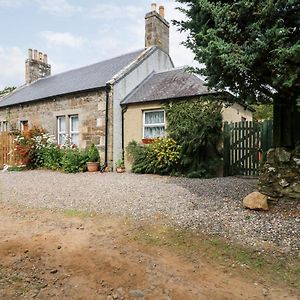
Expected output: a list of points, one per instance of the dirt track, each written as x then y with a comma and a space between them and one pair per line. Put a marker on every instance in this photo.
47, 255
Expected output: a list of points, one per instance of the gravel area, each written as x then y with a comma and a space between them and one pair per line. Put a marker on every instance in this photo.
212, 205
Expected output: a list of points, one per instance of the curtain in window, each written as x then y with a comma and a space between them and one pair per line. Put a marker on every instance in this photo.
154, 132
155, 117
154, 125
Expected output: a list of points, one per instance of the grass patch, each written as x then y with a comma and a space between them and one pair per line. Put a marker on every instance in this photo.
222, 253
17, 168
16, 279
78, 213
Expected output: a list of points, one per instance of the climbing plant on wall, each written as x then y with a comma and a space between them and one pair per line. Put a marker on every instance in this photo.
197, 127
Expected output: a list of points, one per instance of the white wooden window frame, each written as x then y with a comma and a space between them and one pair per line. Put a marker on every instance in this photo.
59, 131
22, 123
71, 117
154, 124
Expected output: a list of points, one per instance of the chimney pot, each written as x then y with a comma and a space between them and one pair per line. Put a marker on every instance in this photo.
40, 56
35, 54
162, 11
29, 53
153, 6
45, 59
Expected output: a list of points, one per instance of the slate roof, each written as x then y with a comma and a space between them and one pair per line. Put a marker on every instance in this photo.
85, 78
175, 83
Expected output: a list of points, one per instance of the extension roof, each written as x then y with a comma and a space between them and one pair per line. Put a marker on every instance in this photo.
172, 84
86, 78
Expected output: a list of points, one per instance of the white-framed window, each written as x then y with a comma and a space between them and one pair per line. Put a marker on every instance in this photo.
154, 124
61, 130
3, 126
74, 129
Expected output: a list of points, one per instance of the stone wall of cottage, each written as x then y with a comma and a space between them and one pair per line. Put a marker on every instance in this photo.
89, 106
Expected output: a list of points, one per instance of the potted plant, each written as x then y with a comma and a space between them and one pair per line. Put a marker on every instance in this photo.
120, 167
93, 163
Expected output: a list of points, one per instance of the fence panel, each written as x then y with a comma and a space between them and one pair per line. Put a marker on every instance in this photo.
7, 153
245, 146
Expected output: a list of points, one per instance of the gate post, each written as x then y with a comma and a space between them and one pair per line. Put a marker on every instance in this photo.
226, 150
266, 137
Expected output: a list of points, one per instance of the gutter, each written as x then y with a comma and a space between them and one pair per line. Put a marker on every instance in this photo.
107, 89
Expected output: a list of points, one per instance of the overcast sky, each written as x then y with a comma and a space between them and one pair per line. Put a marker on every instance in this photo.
75, 33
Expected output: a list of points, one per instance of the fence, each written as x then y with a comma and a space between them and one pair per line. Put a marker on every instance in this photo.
245, 146
7, 146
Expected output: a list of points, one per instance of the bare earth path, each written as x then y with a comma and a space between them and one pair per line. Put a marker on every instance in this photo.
46, 255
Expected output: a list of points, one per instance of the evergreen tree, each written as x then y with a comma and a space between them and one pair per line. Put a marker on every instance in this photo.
7, 90
251, 47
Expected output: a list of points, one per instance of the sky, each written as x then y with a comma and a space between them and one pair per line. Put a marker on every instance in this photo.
76, 33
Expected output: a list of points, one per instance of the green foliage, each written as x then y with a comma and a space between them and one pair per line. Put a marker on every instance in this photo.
52, 157
252, 47
93, 153
160, 157
120, 163
7, 90
197, 128
16, 169
74, 160
263, 112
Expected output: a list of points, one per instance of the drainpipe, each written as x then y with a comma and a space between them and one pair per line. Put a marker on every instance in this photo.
124, 109
107, 89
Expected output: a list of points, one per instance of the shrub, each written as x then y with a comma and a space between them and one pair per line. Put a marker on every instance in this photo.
29, 144
74, 160
197, 127
160, 157
52, 157
93, 153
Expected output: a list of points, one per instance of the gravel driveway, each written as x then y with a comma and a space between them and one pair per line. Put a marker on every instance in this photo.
212, 205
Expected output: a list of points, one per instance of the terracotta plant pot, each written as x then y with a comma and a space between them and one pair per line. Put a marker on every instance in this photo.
120, 170
93, 166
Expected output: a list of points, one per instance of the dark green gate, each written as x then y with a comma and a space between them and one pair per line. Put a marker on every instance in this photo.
245, 146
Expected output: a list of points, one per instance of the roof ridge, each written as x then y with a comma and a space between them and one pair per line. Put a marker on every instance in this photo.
89, 65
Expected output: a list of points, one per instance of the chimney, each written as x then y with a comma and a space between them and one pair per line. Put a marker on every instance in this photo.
36, 66
157, 28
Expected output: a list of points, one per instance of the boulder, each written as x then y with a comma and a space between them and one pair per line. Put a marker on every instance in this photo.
282, 155
257, 201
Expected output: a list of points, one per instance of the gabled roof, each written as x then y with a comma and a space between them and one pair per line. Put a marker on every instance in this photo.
86, 78
175, 83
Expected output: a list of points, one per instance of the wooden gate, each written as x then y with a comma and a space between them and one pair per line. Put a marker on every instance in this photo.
7, 146
245, 147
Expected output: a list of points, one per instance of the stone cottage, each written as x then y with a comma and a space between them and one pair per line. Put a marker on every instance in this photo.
88, 104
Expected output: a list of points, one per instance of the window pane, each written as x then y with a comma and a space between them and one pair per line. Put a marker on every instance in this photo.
75, 139
154, 132
154, 117
62, 124
61, 139
74, 123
